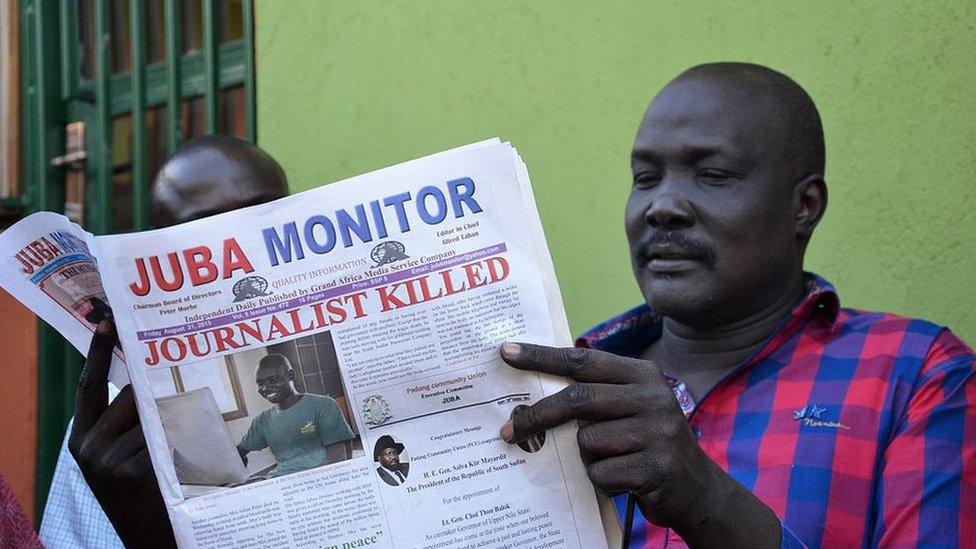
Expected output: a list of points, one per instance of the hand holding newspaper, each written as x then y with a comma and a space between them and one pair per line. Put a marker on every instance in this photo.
323, 370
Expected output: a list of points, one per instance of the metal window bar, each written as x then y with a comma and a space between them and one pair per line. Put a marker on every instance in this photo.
68, 14
140, 177
173, 33
101, 218
250, 80
210, 66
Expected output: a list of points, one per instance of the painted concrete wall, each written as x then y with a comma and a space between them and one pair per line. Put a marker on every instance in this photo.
18, 399
346, 87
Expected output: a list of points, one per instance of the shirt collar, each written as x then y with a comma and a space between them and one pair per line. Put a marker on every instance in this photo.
629, 333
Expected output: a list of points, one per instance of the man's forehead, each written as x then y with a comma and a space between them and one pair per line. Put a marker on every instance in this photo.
271, 368
699, 115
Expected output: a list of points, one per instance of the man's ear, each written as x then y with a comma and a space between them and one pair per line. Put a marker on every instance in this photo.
809, 204
291, 374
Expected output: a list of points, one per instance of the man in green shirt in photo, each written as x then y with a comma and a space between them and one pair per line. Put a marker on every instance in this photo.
302, 430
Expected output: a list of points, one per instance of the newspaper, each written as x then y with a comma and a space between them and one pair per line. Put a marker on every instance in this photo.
323, 370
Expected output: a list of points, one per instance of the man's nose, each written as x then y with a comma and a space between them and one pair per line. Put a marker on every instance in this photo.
669, 210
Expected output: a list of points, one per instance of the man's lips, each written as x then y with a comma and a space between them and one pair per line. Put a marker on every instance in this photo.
671, 265
669, 258
669, 252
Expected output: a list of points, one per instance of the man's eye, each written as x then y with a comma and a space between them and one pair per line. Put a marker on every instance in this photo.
715, 177
646, 180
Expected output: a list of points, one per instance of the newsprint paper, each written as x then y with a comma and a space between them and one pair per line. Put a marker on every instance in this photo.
323, 370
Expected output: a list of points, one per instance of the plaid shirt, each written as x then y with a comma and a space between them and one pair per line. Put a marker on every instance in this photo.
856, 428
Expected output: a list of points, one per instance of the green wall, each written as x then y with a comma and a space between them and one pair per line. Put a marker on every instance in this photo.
346, 87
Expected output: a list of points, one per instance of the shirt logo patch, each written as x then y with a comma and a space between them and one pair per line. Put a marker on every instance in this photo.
812, 416
308, 428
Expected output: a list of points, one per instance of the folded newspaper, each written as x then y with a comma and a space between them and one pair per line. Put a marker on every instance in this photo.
323, 370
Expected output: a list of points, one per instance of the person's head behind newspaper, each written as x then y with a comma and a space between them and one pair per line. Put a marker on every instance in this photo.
387, 452
275, 378
211, 175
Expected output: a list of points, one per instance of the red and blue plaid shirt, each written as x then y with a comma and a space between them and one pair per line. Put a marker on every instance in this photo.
856, 428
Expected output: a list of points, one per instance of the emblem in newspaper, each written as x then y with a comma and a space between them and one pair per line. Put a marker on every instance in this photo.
375, 410
388, 252
250, 287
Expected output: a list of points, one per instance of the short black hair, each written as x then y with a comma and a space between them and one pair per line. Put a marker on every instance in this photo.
259, 164
274, 360
795, 108
226, 143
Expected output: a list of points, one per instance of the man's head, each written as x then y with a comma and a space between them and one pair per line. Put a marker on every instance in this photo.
727, 189
211, 175
388, 452
275, 378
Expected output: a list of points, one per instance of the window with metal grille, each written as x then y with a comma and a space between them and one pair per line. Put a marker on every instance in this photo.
123, 82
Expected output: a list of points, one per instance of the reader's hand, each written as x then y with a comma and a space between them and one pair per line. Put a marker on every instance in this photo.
107, 442
637, 440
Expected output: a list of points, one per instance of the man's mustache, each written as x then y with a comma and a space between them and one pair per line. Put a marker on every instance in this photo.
698, 250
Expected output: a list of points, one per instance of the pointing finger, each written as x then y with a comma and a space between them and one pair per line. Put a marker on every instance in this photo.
624, 473
587, 401
585, 365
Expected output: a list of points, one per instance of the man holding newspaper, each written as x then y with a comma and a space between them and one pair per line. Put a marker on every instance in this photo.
741, 406
720, 405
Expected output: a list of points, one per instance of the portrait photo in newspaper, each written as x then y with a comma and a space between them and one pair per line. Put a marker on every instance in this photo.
392, 460
256, 414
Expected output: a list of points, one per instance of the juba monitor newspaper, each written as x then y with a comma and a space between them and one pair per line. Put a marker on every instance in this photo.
323, 370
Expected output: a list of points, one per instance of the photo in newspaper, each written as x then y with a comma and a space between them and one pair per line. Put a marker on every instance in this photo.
257, 414
392, 460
